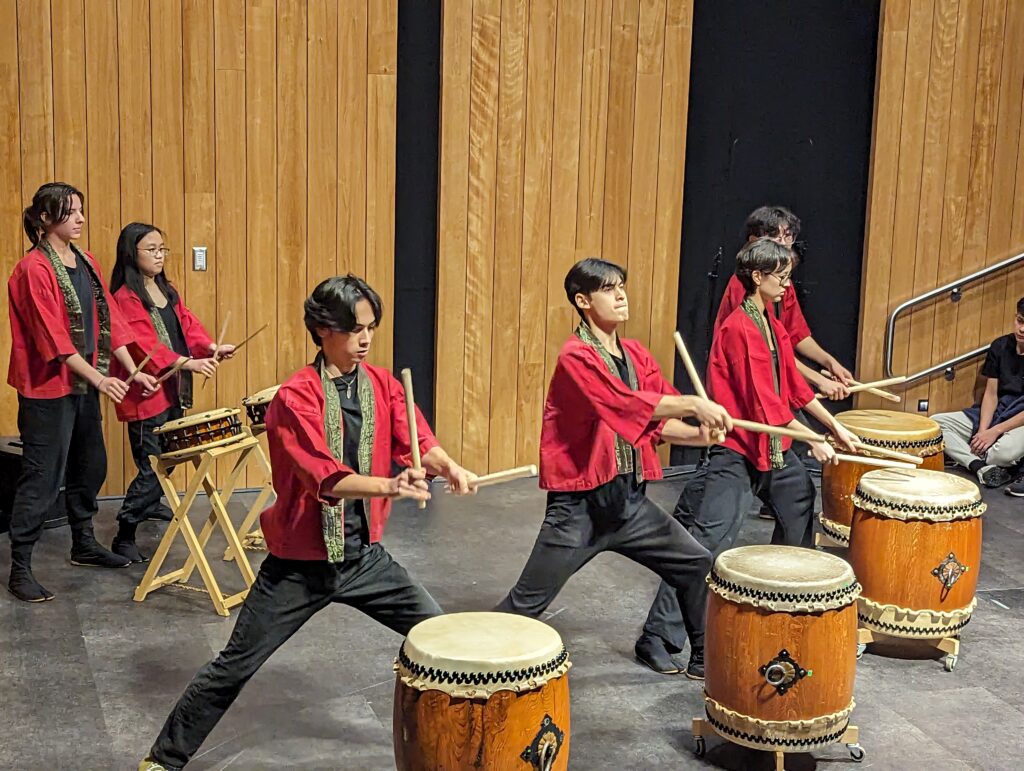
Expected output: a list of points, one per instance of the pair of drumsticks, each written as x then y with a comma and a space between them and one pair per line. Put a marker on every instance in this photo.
488, 479
892, 458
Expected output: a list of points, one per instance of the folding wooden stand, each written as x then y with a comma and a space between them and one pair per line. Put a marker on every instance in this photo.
250, 536
204, 461
702, 728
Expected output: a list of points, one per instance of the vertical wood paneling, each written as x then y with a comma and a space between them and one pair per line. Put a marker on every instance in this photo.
240, 126
562, 136
944, 185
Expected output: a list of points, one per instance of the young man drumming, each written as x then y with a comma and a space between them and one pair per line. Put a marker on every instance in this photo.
607, 407
334, 429
752, 372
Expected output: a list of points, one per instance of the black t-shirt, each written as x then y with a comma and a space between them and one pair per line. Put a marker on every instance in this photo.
357, 533
180, 347
82, 283
1005, 364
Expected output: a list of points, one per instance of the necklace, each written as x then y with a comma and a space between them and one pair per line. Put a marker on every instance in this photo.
348, 381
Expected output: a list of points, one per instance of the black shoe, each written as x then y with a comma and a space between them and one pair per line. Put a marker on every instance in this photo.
91, 554
160, 513
994, 476
128, 549
765, 513
1016, 488
695, 667
651, 652
24, 586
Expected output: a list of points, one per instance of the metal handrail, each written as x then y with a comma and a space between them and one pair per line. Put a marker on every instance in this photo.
953, 289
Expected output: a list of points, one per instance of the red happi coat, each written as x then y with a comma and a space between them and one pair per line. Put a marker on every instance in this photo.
587, 406
134, 406
792, 317
41, 328
739, 378
304, 468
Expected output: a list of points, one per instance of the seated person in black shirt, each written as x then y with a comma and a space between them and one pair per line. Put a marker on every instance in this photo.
988, 438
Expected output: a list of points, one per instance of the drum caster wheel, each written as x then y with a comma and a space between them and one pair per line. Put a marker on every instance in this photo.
950, 662
861, 647
699, 746
856, 752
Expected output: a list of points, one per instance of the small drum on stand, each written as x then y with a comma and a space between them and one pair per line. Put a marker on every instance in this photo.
889, 430
776, 616
202, 431
482, 690
256, 407
916, 547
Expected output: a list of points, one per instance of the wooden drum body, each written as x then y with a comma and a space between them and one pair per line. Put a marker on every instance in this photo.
256, 407
482, 691
916, 548
781, 647
202, 431
890, 430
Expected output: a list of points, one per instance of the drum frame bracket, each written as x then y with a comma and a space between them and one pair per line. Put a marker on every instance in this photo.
702, 728
948, 645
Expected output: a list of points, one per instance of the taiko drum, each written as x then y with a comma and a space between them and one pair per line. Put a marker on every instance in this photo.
482, 691
202, 431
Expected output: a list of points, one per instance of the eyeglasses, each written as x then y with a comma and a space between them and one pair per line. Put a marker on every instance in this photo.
785, 280
163, 251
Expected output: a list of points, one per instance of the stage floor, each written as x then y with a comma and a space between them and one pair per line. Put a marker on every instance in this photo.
88, 679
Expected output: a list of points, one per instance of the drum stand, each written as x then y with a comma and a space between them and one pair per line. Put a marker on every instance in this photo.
204, 462
250, 537
948, 645
701, 728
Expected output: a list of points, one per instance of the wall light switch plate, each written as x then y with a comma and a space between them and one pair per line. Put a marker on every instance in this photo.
922, 405
198, 258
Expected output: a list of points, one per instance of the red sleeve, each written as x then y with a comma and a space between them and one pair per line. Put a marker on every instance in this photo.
650, 378
34, 293
740, 377
196, 336
140, 327
793, 318
734, 294
630, 414
295, 424
401, 450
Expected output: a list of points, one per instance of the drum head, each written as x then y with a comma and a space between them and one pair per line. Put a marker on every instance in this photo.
198, 418
784, 578
889, 424
918, 494
474, 654
261, 397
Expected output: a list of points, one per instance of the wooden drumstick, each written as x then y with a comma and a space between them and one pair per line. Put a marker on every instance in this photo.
138, 369
410, 414
250, 337
688, 364
886, 453
177, 365
505, 476
872, 390
880, 462
868, 386
763, 428
219, 343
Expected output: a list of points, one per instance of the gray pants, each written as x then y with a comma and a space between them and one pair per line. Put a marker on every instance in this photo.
957, 431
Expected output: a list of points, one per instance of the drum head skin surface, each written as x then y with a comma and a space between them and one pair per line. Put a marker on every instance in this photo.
481, 652
261, 397
888, 424
918, 494
199, 417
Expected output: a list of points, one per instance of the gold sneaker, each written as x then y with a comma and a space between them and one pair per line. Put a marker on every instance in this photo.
151, 765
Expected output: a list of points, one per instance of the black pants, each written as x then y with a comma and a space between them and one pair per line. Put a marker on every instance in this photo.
286, 594
62, 440
613, 518
144, 492
729, 489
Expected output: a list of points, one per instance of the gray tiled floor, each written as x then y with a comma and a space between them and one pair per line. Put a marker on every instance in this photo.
87, 679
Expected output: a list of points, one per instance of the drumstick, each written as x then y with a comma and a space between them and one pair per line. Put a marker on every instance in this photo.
219, 343
505, 476
874, 391
250, 337
866, 461
901, 456
410, 414
138, 369
868, 386
764, 428
177, 365
688, 363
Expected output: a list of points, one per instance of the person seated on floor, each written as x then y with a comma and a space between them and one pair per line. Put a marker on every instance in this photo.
988, 438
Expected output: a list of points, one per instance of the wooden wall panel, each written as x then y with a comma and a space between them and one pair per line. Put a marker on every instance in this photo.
562, 136
945, 186
241, 126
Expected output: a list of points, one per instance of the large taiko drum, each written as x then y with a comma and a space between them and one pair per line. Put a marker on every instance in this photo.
256, 407
916, 548
901, 431
482, 691
202, 431
781, 647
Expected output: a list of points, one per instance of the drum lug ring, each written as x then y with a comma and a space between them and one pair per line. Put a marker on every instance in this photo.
543, 750
783, 672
